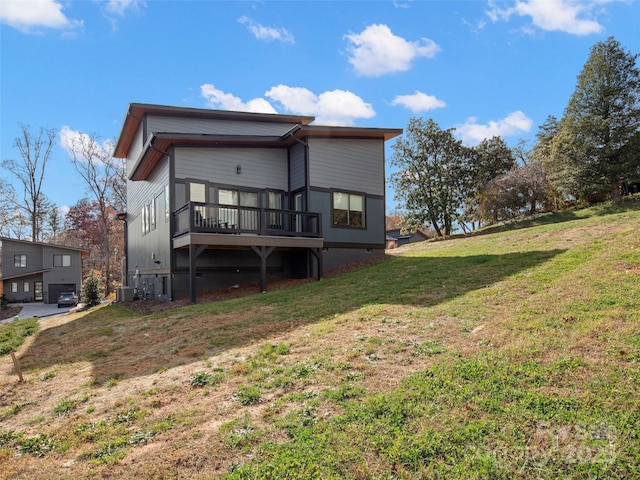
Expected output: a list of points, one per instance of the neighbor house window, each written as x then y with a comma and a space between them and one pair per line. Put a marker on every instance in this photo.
14, 287
25, 287
20, 260
61, 260
348, 209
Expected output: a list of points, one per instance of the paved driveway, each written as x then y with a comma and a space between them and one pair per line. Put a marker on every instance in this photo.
38, 310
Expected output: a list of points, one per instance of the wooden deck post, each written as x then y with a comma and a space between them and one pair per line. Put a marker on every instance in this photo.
263, 252
194, 252
317, 252
192, 274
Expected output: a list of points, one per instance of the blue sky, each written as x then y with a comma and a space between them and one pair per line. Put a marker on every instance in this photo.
484, 67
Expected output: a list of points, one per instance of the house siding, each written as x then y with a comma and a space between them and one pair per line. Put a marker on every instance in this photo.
260, 167
347, 164
171, 124
297, 167
32, 251
145, 250
140, 192
136, 149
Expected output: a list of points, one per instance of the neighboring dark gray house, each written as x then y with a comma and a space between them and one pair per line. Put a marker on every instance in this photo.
39, 272
397, 237
220, 198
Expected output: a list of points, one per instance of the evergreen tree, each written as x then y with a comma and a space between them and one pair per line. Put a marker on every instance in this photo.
591, 150
92, 290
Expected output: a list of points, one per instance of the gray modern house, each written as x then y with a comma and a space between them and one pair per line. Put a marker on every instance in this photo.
39, 272
219, 198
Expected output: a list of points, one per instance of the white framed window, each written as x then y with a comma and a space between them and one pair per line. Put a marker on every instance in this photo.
25, 287
14, 287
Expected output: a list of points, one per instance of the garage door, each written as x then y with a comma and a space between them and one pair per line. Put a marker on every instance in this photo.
55, 289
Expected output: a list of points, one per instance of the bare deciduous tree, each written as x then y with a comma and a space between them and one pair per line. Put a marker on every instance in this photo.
35, 150
103, 176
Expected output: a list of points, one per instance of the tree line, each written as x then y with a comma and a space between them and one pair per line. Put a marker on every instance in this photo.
590, 155
26, 212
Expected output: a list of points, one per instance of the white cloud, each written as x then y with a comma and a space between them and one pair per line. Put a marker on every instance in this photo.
216, 98
120, 7
377, 51
571, 16
267, 33
29, 15
418, 102
335, 107
472, 133
399, 4
76, 143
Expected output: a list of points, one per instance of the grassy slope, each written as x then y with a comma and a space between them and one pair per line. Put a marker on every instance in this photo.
512, 354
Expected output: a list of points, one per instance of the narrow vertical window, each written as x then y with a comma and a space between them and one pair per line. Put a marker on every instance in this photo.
152, 215
167, 205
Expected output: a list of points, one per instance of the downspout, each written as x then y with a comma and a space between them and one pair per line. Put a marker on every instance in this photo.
290, 134
307, 190
153, 147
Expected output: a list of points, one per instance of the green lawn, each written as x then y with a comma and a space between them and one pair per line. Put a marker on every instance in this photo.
511, 353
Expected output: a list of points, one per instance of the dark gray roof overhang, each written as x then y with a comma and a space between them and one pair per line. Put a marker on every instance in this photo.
24, 274
137, 111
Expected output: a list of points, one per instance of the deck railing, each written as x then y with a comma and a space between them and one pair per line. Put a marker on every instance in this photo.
197, 217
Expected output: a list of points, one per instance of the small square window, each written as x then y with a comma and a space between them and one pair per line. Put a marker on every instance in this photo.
20, 260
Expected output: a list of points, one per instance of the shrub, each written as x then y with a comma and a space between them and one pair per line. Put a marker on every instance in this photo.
92, 290
3, 301
248, 395
203, 379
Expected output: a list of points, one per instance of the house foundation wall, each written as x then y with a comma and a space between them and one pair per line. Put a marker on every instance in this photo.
337, 257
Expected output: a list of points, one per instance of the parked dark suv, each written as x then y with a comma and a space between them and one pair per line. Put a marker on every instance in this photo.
67, 299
